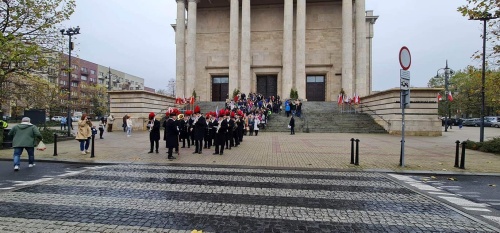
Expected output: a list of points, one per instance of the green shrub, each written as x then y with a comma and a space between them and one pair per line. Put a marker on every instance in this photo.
490, 146
48, 134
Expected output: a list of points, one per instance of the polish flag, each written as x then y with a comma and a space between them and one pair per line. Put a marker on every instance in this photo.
191, 101
357, 100
450, 98
439, 97
340, 99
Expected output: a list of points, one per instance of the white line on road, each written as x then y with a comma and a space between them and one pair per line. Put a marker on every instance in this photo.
477, 209
492, 218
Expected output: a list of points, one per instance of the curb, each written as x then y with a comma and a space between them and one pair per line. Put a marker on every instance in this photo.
409, 172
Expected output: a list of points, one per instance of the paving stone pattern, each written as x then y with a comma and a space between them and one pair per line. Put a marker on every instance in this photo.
154, 198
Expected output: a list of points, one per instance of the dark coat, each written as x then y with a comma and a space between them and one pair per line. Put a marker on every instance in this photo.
199, 128
292, 122
171, 133
220, 137
207, 130
154, 134
183, 128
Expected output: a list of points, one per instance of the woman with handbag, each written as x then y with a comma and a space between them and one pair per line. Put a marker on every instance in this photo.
84, 133
101, 128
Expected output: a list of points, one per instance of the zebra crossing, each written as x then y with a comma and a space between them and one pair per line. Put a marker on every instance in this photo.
150, 198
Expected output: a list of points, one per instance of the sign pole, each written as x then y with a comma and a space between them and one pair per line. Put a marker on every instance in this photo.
405, 62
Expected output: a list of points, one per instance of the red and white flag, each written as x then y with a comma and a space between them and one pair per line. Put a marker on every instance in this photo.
340, 99
191, 101
357, 100
450, 98
439, 97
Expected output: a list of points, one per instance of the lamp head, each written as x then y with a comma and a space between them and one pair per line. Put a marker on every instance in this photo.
70, 30
77, 30
62, 31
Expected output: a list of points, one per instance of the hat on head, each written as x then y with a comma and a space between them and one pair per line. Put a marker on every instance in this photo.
188, 113
213, 114
222, 113
197, 109
173, 112
151, 115
228, 113
232, 114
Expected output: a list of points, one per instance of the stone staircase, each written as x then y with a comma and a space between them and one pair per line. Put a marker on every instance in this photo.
317, 117
325, 117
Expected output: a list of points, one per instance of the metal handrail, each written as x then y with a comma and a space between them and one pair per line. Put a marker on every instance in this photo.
375, 113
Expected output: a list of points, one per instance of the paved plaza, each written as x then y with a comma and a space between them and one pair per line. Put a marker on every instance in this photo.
158, 198
379, 152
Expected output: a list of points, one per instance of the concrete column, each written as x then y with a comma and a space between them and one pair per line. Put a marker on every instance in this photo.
287, 60
246, 57
361, 55
180, 46
234, 46
300, 49
347, 78
191, 48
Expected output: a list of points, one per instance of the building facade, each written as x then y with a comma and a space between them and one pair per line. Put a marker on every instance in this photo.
317, 47
119, 79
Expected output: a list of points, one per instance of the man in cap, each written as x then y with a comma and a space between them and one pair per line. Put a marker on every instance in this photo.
24, 136
171, 133
154, 132
200, 124
220, 133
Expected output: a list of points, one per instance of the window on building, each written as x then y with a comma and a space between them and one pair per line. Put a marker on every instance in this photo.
74, 76
92, 80
74, 67
84, 78
83, 69
74, 84
92, 71
101, 74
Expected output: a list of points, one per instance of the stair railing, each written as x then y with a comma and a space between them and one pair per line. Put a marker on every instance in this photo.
374, 113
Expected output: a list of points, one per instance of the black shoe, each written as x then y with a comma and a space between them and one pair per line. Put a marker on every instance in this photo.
149, 152
157, 152
215, 153
221, 153
171, 158
196, 152
229, 148
204, 147
199, 153
209, 148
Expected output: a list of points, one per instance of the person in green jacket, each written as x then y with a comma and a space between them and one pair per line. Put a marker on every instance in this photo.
25, 136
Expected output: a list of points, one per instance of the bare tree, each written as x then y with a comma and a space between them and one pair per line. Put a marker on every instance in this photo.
171, 87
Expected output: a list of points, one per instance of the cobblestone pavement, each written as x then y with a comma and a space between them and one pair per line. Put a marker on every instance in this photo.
159, 198
302, 150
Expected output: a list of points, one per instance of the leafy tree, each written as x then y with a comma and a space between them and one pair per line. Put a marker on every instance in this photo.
481, 8
29, 31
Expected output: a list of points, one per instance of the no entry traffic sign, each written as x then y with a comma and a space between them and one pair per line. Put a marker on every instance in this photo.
405, 58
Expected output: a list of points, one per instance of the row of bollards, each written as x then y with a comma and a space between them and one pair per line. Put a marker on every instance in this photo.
92, 151
355, 160
462, 159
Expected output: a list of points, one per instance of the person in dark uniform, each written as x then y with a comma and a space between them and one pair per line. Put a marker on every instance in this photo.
292, 126
183, 134
154, 132
171, 133
191, 128
220, 127
206, 137
240, 127
209, 135
230, 130
200, 125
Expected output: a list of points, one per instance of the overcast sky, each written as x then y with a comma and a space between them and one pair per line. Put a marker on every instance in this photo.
136, 37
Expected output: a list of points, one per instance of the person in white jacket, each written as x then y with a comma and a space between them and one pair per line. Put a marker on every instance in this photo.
129, 126
256, 125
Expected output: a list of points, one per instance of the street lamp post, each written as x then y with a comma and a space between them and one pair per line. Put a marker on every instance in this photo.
109, 89
70, 32
484, 17
447, 115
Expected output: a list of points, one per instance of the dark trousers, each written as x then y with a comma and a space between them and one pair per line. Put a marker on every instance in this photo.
63, 125
219, 144
236, 138
184, 142
110, 127
169, 152
198, 146
101, 131
152, 143
292, 130
256, 132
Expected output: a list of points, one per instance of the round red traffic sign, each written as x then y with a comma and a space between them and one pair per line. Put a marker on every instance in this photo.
405, 58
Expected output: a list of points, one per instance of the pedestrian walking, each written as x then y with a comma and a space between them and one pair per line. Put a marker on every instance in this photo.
128, 122
25, 136
101, 128
111, 121
63, 123
291, 125
154, 133
84, 133
124, 125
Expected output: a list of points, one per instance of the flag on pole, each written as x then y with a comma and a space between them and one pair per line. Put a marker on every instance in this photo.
191, 101
356, 99
450, 98
217, 111
340, 99
439, 97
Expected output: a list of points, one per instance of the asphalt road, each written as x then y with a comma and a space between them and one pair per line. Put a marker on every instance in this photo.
9, 179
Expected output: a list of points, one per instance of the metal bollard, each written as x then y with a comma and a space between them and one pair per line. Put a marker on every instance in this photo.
457, 152
55, 145
462, 160
92, 150
357, 152
352, 150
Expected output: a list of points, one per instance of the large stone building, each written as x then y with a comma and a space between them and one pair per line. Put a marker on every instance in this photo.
317, 47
